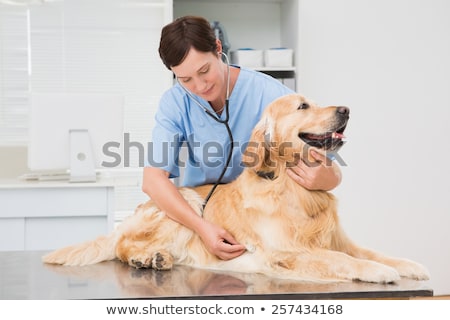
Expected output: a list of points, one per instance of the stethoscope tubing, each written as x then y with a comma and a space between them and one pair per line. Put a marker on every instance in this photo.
224, 121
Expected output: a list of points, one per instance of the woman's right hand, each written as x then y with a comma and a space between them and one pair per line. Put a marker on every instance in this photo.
220, 242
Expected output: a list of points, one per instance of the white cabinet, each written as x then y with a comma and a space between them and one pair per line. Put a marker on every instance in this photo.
49, 215
253, 24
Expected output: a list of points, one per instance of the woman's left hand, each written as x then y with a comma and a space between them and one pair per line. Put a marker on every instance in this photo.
316, 173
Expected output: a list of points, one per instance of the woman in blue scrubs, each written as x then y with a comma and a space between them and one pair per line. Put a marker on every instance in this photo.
190, 49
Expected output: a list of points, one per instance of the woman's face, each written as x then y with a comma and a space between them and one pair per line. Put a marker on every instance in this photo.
202, 73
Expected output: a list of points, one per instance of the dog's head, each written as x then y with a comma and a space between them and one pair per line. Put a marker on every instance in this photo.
289, 126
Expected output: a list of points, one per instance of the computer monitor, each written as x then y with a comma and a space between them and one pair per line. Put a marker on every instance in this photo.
68, 131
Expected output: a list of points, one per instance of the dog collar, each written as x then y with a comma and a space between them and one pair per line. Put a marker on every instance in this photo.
269, 175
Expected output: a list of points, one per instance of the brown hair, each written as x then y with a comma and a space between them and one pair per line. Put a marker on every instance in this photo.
179, 36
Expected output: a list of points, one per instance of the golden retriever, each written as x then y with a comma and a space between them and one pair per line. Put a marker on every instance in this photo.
290, 232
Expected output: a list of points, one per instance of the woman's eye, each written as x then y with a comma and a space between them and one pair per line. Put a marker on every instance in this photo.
303, 106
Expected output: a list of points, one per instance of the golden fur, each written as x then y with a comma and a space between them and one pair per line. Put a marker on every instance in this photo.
290, 232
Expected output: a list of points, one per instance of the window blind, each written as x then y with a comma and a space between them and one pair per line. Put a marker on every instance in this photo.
14, 83
90, 46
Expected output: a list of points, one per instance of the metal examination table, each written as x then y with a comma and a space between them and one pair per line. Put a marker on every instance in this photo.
24, 276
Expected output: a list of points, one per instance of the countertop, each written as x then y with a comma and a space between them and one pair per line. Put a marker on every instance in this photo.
24, 276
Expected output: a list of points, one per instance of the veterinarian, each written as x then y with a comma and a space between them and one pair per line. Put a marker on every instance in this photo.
205, 80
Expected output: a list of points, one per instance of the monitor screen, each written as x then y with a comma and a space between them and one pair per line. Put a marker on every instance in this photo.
69, 129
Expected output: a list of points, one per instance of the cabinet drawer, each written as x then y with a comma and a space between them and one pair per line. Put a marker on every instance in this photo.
50, 202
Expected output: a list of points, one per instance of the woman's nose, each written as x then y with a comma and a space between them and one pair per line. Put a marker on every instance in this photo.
199, 85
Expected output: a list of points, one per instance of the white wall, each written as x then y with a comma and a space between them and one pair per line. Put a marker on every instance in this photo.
248, 24
389, 61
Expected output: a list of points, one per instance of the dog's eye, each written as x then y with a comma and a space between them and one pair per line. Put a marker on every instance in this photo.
303, 106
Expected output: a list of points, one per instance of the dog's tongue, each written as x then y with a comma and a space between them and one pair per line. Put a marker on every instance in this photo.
336, 135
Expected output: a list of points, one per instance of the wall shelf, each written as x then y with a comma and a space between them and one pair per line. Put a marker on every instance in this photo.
260, 25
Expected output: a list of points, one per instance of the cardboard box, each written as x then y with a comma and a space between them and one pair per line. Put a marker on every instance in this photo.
278, 57
247, 58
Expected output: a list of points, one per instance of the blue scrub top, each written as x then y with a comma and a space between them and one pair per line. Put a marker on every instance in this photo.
179, 119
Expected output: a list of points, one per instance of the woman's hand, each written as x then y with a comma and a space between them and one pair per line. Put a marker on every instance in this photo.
316, 173
219, 242
167, 196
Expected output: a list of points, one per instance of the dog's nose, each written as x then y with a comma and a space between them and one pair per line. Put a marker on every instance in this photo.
343, 110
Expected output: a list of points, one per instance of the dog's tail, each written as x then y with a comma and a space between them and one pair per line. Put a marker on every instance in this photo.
90, 252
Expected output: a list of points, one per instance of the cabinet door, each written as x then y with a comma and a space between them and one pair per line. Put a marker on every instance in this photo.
48, 233
12, 234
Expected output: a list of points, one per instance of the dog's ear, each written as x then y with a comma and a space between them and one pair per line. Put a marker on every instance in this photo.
257, 153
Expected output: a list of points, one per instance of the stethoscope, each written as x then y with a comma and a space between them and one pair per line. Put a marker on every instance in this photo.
218, 119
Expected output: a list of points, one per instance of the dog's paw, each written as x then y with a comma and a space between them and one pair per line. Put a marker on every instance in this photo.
377, 272
140, 262
162, 260
412, 270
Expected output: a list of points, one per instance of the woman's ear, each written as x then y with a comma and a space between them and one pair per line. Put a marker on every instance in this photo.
219, 47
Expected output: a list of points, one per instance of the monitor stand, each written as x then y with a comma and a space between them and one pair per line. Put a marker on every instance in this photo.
82, 167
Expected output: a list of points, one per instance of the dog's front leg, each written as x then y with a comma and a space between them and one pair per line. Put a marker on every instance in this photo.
327, 265
406, 268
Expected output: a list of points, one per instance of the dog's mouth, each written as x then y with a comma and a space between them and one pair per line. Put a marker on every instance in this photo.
331, 140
